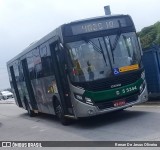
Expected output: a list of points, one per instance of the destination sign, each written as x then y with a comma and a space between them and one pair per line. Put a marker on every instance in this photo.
99, 25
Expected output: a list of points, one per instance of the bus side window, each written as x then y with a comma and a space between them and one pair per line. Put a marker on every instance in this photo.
37, 63
47, 63
30, 63
21, 76
16, 71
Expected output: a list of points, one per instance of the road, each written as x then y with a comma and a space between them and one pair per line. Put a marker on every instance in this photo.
136, 123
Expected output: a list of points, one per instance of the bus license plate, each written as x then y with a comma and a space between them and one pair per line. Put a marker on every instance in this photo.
119, 103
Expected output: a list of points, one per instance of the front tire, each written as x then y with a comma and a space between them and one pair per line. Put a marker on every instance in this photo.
60, 114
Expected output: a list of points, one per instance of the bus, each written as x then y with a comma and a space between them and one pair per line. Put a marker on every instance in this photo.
81, 69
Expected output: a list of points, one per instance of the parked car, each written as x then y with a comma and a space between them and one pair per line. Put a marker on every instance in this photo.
6, 95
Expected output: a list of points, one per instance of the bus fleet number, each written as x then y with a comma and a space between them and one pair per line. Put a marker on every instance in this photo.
127, 90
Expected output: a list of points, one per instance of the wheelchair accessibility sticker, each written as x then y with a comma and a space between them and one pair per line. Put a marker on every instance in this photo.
116, 71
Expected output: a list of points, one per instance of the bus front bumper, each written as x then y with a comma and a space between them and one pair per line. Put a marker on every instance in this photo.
85, 110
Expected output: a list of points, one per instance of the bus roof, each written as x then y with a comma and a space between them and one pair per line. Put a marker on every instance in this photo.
99, 17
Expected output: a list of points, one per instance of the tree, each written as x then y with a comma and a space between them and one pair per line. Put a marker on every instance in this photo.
150, 36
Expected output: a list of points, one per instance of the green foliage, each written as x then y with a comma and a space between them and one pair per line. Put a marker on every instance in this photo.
150, 35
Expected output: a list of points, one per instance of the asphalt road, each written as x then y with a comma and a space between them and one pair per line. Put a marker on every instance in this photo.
136, 123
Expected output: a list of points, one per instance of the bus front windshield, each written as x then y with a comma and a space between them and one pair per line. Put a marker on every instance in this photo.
124, 49
95, 59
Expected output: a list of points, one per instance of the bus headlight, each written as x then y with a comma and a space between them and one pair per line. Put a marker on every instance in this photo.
83, 99
79, 97
88, 101
143, 75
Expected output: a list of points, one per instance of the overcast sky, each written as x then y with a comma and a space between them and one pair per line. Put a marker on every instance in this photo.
25, 21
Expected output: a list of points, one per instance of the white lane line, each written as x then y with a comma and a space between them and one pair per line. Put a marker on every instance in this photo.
42, 130
34, 127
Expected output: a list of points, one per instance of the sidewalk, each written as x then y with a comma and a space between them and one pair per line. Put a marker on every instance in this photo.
152, 102
8, 101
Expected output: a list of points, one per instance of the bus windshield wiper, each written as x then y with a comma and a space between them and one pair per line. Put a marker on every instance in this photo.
102, 51
118, 35
116, 41
97, 48
94, 46
113, 47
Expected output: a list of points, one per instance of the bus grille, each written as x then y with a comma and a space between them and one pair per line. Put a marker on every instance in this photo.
105, 84
110, 104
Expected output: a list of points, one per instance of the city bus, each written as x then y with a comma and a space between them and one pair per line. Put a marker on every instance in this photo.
81, 69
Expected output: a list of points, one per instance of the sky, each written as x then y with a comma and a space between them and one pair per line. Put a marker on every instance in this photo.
24, 21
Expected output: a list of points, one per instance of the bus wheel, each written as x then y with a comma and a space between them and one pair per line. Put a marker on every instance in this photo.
60, 114
30, 112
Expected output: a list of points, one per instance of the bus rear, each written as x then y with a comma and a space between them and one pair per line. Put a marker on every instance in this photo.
104, 65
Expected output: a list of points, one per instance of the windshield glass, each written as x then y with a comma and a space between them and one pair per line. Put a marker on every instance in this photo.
89, 60
97, 58
124, 49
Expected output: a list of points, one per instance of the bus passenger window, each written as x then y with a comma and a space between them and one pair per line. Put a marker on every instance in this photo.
47, 63
37, 63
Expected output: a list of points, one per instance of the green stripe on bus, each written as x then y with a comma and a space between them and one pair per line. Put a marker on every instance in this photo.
114, 93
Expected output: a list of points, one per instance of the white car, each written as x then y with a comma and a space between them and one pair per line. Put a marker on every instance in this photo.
6, 95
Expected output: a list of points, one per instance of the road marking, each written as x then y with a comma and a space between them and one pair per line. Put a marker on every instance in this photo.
42, 130
34, 127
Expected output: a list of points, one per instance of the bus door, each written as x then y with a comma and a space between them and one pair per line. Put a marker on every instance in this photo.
61, 78
29, 88
14, 84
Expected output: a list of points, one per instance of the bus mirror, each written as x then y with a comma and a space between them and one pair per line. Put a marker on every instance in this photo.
140, 46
